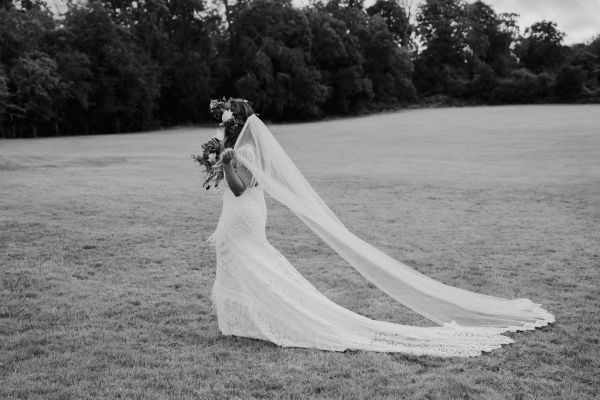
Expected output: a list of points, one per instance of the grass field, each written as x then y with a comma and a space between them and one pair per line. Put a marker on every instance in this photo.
105, 276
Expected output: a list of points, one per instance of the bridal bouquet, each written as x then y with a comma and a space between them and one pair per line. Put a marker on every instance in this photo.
209, 159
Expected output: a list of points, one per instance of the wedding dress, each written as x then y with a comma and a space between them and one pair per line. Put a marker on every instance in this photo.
258, 294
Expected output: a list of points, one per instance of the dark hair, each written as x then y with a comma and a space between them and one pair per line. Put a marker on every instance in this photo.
241, 110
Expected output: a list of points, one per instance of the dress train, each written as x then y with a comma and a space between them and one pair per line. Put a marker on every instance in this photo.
258, 294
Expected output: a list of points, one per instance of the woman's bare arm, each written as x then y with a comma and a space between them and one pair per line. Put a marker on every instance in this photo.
237, 181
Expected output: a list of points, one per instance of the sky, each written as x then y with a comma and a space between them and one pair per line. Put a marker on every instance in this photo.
579, 19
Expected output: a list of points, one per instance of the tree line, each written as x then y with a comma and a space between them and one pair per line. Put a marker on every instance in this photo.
129, 65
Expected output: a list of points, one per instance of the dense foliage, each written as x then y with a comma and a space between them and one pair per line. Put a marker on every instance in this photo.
127, 65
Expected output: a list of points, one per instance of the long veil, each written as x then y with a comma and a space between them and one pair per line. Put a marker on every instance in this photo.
271, 167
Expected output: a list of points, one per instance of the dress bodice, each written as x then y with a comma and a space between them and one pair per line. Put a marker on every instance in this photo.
241, 216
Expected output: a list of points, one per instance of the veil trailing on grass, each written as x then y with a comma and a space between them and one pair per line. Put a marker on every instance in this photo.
271, 167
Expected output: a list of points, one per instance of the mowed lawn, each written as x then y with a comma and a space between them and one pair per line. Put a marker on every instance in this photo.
105, 277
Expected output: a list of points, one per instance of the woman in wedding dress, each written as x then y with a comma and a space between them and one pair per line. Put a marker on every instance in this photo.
258, 294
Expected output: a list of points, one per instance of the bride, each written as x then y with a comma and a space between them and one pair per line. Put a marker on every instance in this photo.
258, 294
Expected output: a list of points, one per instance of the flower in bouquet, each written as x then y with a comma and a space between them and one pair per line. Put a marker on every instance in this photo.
209, 159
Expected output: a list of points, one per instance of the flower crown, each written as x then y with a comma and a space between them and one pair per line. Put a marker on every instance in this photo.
221, 109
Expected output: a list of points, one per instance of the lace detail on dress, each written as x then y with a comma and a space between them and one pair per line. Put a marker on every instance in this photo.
443, 341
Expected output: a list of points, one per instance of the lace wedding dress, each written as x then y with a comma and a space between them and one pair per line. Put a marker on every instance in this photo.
258, 294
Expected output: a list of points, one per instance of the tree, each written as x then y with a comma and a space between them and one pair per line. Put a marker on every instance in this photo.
124, 87
388, 66
489, 37
440, 24
483, 83
21, 32
338, 53
397, 18
587, 59
176, 35
4, 101
75, 70
542, 49
570, 83
357, 4
522, 87
28, 72
37, 91
271, 61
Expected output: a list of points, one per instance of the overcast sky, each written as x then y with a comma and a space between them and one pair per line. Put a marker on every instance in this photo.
579, 19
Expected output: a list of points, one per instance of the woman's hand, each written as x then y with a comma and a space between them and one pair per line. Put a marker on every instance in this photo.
227, 155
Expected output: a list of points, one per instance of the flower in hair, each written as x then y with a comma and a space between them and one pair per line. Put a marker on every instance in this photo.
226, 116
221, 109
